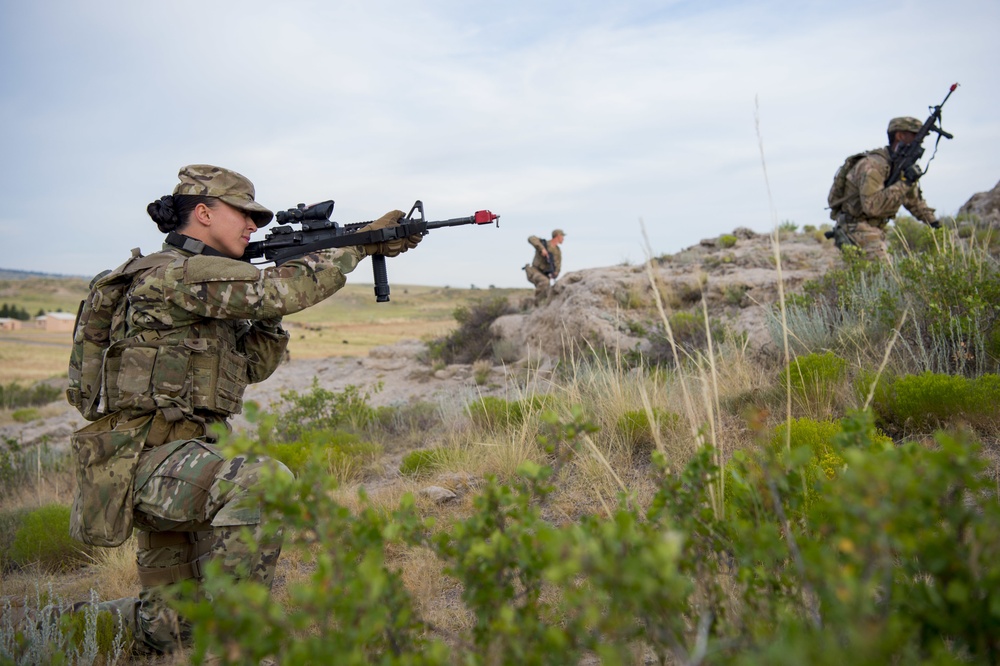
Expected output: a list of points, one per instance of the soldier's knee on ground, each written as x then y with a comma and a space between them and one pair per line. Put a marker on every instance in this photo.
246, 548
236, 486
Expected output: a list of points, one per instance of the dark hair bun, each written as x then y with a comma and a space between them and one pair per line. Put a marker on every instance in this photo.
163, 213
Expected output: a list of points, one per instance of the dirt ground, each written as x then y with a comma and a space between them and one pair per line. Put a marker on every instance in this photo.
391, 375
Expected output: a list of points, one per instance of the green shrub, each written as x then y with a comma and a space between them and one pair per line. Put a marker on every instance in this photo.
813, 448
342, 454
100, 632
416, 417
472, 340
910, 235
14, 395
481, 370
637, 432
25, 414
727, 241
319, 409
733, 294
955, 298
895, 559
421, 462
10, 524
44, 539
950, 293
814, 379
86, 636
932, 400
492, 413
689, 335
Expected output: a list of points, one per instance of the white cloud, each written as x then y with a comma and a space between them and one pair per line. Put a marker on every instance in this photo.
586, 120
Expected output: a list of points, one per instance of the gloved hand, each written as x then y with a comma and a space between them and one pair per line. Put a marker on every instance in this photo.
390, 248
911, 174
935, 224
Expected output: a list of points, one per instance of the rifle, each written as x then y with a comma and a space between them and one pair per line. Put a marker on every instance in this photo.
552, 262
906, 155
318, 232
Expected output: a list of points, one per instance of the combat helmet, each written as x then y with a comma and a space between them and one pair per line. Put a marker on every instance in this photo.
904, 124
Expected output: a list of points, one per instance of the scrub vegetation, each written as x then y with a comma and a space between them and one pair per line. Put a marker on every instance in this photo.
833, 503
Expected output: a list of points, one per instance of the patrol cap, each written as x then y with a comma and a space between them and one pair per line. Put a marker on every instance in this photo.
228, 186
558, 232
904, 124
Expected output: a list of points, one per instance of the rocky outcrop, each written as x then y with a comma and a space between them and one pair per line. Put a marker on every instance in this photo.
613, 308
985, 205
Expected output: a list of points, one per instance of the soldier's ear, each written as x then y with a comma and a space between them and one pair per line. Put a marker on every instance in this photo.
202, 215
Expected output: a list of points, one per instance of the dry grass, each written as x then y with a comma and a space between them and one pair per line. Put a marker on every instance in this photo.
318, 341
115, 571
28, 355
436, 596
48, 487
42, 412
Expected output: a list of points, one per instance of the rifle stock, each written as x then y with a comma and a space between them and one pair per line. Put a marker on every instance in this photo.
317, 232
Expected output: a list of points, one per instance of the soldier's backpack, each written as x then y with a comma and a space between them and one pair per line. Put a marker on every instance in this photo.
107, 451
100, 317
838, 191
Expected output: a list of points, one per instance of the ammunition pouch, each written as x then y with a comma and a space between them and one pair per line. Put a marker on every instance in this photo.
175, 377
107, 455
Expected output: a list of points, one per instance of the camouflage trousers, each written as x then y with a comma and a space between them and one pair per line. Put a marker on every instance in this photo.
541, 282
188, 487
869, 238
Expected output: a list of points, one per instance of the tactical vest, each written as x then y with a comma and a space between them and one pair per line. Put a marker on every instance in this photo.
175, 371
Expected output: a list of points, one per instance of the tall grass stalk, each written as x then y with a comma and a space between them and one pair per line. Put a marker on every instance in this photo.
709, 386
885, 359
688, 404
776, 244
720, 452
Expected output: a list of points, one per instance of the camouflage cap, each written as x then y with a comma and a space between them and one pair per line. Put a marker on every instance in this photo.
558, 232
904, 124
233, 188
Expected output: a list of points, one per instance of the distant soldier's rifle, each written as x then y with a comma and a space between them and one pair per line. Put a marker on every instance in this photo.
318, 232
551, 273
907, 154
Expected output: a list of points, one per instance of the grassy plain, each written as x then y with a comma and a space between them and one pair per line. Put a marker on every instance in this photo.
349, 323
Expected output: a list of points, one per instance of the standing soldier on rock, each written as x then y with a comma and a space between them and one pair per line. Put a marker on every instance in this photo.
862, 205
546, 265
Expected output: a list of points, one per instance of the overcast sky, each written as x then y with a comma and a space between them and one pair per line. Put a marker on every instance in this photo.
585, 115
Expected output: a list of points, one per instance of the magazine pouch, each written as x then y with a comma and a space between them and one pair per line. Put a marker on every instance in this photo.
106, 454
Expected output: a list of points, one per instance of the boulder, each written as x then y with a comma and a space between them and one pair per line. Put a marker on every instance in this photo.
985, 205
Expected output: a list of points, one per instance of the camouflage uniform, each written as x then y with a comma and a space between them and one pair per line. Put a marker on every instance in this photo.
541, 271
868, 205
213, 324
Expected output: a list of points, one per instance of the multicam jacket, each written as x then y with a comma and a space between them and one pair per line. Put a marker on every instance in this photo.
542, 263
869, 201
199, 328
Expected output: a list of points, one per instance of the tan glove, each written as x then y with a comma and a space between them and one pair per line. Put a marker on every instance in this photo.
392, 247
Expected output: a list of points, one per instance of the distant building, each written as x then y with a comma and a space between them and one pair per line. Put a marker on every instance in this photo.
55, 321
8, 324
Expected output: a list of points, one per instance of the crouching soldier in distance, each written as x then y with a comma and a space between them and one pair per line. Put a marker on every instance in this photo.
862, 205
163, 349
545, 266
